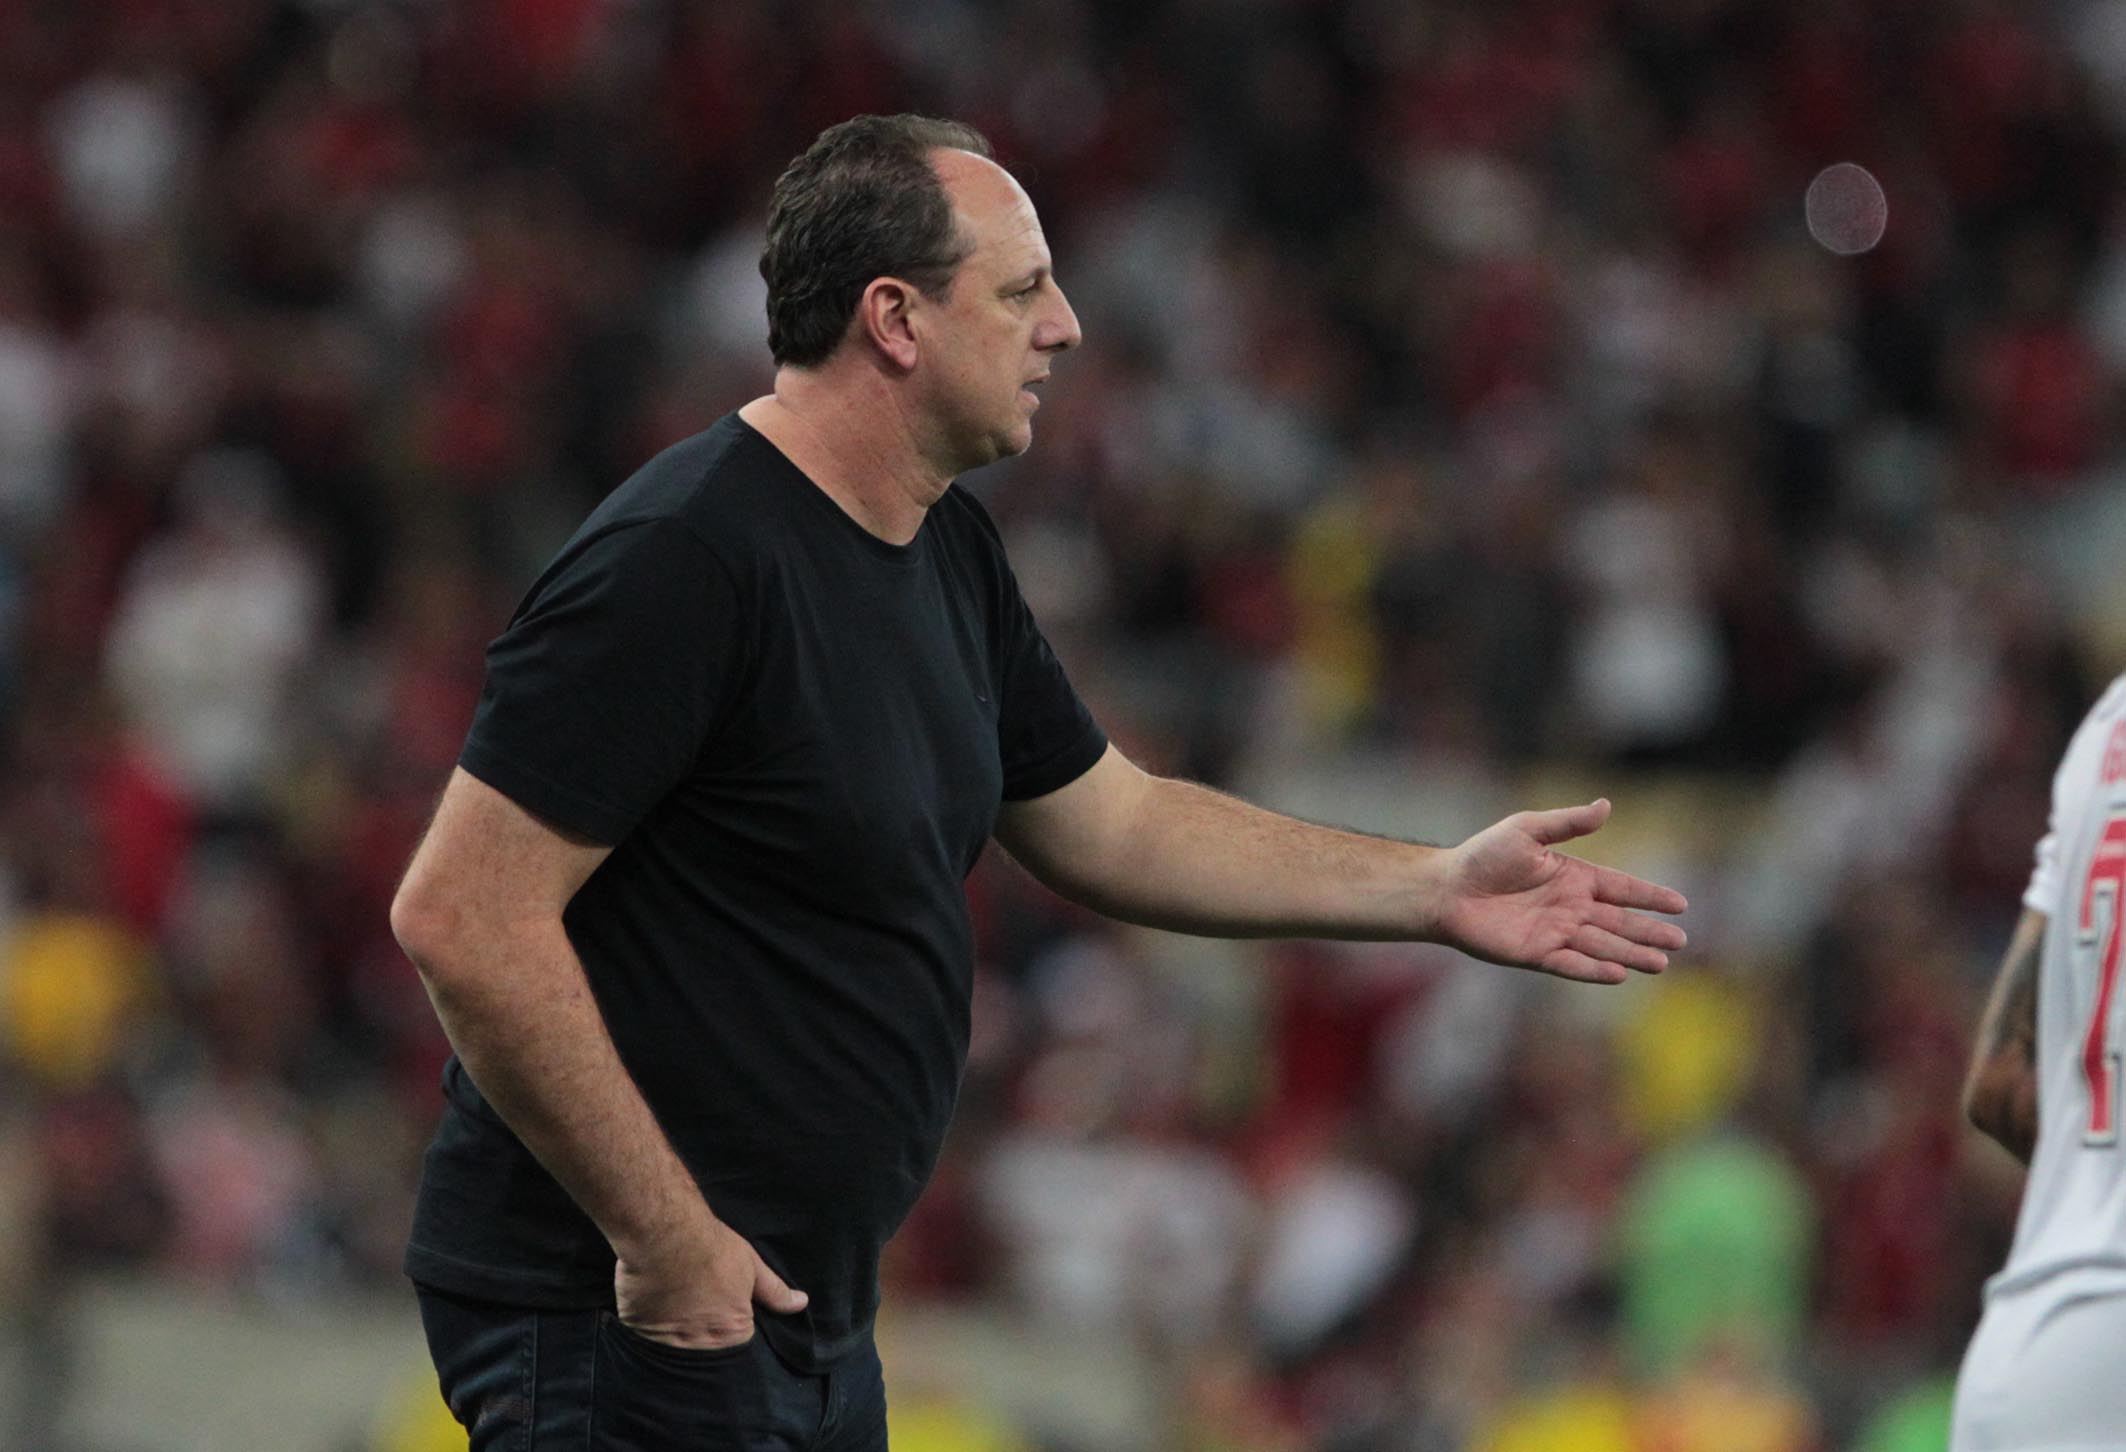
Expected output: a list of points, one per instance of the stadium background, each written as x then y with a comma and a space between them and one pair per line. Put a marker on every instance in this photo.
1465, 422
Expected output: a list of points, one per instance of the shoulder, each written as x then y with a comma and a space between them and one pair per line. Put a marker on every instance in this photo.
679, 519
717, 486
644, 571
2111, 706
2098, 740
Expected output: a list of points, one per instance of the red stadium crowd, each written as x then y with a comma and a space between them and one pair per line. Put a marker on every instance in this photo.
1463, 409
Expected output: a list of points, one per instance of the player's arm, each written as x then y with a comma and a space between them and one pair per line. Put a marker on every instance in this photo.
1172, 854
480, 915
2000, 1088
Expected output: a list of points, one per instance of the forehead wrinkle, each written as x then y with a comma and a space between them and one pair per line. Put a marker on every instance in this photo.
1016, 252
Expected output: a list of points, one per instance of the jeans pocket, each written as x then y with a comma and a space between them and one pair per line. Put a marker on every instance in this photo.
650, 1397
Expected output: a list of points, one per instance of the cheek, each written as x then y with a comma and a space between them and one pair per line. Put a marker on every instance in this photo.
1007, 340
1000, 366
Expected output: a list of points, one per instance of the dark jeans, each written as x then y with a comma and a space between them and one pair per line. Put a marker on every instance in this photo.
523, 1380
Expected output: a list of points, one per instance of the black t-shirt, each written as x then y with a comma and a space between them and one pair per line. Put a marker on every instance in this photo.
797, 736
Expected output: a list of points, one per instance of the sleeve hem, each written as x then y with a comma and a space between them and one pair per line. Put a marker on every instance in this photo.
1059, 769
566, 809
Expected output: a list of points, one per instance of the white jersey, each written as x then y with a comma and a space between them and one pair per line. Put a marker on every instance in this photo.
2041, 1374
2074, 1206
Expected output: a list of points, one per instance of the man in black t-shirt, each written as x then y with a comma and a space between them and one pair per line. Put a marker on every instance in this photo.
691, 907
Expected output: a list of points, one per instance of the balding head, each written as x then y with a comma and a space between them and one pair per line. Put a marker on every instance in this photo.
973, 180
868, 199
910, 287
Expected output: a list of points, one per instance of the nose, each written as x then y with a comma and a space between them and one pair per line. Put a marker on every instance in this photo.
1059, 330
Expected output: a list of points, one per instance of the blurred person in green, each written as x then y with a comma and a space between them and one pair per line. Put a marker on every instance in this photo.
1917, 1421
1715, 1239
1715, 1234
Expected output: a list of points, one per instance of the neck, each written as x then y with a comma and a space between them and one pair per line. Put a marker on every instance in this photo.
850, 437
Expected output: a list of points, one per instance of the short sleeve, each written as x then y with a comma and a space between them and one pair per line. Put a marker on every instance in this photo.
2074, 790
2043, 893
1045, 735
612, 677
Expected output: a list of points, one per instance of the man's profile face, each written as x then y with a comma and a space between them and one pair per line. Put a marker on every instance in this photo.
1001, 323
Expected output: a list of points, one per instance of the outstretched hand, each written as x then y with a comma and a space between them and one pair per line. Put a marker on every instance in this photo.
1509, 898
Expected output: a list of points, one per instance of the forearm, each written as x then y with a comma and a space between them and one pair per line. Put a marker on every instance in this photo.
2000, 1087
520, 1014
1198, 861
2001, 1101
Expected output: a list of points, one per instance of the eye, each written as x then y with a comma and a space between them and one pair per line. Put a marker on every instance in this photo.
1029, 290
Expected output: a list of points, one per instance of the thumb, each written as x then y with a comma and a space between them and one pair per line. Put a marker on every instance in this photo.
773, 1292
1565, 823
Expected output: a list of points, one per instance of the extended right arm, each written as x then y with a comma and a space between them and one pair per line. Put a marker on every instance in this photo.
480, 915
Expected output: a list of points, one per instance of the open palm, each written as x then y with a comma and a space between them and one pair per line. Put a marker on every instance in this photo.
1511, 899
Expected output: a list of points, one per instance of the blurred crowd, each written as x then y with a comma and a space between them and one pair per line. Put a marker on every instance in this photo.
1464, 415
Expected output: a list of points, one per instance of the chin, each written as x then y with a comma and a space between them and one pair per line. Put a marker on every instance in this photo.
1009, 443
996, 441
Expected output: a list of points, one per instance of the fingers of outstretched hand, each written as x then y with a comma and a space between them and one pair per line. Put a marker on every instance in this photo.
1624, 890
1562, 824
1654, 932
1610, 947
1568, 963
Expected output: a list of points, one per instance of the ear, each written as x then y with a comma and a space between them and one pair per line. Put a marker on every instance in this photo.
883, 319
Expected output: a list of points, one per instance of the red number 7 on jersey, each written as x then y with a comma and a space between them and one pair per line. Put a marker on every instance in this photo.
2098, 927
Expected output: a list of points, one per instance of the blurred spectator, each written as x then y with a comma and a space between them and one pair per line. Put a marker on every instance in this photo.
1647, 665
1336, 1231
36, 408
123, 142
1730, 1399
75, 987
1109, 1229
1917, 1421
1581, 1408
1714, 1246
215, 623
1463, 413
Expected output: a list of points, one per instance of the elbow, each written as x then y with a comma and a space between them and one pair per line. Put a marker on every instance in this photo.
424, 928
1979, 1109
1977, 1098
2000, 1101
457, 943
